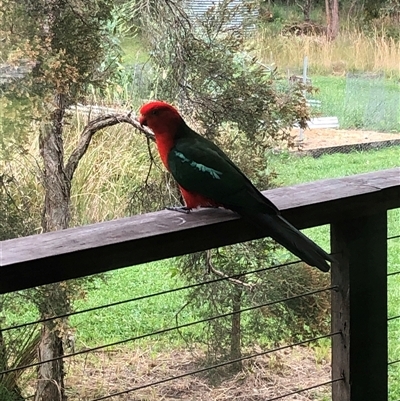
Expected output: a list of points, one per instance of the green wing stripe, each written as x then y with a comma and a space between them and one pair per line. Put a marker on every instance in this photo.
201, 167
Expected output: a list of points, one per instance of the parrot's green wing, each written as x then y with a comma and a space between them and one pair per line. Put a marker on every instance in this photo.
200, 166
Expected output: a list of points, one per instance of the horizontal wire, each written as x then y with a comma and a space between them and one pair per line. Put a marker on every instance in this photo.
393, 362
163, 331
393, 318
18, 326
304, 389
393, 236
393, 274
193, 372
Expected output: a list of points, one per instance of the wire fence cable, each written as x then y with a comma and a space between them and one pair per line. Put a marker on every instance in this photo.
163, 331
142, 297
279, 397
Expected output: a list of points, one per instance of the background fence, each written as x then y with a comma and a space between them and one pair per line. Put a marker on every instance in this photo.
361, 100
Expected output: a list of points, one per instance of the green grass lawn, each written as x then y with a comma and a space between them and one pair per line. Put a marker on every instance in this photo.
133, 318
394, 325
293, 170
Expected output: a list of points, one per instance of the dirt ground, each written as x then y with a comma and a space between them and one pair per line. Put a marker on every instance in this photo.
325, 138
263, 378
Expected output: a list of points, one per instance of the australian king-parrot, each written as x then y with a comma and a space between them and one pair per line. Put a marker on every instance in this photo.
207, 177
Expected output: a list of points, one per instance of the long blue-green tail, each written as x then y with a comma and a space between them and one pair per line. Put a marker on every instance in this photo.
293, 240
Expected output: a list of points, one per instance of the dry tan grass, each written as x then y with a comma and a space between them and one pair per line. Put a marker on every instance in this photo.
267, 376
116, 159
352, 50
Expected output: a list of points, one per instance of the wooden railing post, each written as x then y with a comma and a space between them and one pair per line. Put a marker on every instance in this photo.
359, 308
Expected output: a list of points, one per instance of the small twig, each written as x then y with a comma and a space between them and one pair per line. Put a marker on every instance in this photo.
152, 161
222, 274
9, 196
187, 303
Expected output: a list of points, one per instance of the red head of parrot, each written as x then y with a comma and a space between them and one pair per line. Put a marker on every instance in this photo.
165, 121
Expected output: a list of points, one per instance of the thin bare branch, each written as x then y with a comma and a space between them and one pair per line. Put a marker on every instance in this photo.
96, 125
151, 161
222, 274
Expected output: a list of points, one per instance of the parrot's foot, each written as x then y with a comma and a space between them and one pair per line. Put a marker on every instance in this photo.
181, 209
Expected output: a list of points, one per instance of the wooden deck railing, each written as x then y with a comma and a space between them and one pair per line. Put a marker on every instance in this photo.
355, 207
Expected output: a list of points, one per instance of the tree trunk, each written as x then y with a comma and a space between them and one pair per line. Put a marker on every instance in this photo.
236, 333
307, 10
56, 213
50, 385
332, 18
53, 298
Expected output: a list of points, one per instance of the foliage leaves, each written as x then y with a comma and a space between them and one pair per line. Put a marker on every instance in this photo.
209, 71
63, 58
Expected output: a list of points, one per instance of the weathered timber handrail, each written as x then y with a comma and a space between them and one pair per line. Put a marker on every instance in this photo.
77, 252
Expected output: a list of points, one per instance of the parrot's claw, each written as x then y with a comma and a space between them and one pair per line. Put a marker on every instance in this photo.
181, 209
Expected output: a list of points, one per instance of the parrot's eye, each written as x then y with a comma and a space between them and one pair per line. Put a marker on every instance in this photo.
155, 112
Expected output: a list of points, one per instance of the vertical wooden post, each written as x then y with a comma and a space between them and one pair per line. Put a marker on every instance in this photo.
359, 308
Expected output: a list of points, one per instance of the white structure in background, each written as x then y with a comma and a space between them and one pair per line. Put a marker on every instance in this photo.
245, 16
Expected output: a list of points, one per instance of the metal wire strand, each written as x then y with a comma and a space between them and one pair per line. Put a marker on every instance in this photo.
393, 318
304, 389
163, 331
193, 372
393, 236
18, 326
393, 362
393, 274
